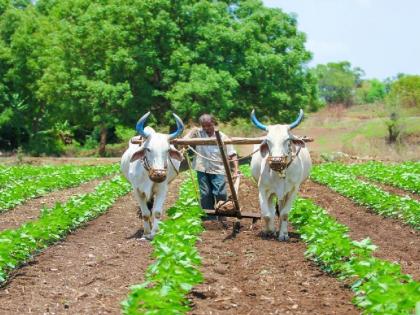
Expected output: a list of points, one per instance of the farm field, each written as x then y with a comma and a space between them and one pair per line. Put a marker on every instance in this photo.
92, 269
127, 129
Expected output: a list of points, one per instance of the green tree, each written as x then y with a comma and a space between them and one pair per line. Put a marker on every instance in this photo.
102, 63
370, 91
337, 82
407, 90
21, 49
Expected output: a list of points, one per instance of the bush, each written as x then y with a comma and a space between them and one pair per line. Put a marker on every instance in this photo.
123, 133
45, 143
407, 90
371, 91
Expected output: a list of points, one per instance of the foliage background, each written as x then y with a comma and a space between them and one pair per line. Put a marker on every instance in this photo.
76, 69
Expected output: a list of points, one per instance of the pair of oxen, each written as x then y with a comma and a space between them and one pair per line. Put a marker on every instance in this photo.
281, 165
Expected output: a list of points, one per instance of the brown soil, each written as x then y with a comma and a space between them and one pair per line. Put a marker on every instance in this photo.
396, 242
252, 275
30, 210
90, 272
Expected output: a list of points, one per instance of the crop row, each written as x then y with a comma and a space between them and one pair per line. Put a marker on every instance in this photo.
175, 270
380, 286
12, 174
410, 167
18, 245
384, 203
16, 192
404, 176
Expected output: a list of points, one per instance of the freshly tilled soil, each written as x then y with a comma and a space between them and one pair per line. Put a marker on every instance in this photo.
30, 210
250, 274
90, 272
396, 241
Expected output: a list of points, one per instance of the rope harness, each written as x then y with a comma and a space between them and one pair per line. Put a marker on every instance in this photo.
157, 175
280, 163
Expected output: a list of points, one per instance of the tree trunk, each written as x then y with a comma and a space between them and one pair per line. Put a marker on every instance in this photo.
102, 142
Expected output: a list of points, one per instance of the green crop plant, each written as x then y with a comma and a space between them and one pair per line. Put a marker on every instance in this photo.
18, 191
175, 270
405, 176
337, 177
18, 245
379, 286
13, 174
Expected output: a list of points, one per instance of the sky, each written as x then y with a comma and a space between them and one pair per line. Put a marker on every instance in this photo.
380, 36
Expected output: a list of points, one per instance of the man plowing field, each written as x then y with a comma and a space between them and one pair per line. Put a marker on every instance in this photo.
208, 164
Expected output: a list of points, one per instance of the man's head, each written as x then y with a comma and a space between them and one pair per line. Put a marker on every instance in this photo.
207, 122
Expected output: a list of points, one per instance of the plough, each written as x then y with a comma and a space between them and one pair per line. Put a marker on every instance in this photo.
231, 207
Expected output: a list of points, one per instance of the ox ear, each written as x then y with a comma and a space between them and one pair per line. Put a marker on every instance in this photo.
264, 149
139, 154
175, 154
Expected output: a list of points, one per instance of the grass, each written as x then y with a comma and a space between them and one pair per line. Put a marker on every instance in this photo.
361, 130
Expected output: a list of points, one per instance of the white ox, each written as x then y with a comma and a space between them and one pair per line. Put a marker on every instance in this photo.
150, 168
281, 166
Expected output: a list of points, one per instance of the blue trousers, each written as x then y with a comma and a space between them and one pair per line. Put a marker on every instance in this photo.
212, 189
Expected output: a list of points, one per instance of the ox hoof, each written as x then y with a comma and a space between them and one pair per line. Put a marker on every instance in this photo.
268, 234
283, 238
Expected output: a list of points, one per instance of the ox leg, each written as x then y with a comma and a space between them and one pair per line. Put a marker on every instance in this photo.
158, 210
284, 215
267, 213
145, 212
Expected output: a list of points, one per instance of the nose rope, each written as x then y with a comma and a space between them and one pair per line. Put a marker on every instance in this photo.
280, 163
145, 163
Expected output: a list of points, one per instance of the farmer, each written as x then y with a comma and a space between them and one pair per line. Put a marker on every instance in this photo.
208, 164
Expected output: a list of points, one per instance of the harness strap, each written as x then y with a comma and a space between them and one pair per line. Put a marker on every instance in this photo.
145, 163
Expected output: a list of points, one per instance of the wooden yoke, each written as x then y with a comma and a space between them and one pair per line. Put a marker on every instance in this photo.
213, 141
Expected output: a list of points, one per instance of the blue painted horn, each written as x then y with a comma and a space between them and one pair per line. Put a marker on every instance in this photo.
179, 129
140, 125
257, 123
297, 121
144, 134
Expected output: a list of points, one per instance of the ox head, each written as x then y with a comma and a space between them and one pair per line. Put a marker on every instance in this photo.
278, 142
156, 149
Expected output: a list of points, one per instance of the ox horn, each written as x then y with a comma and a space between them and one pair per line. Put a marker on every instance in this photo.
140, 125
297, 121
256, 122
180, 127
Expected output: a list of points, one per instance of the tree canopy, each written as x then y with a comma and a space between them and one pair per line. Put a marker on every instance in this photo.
87, 65
338, 82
